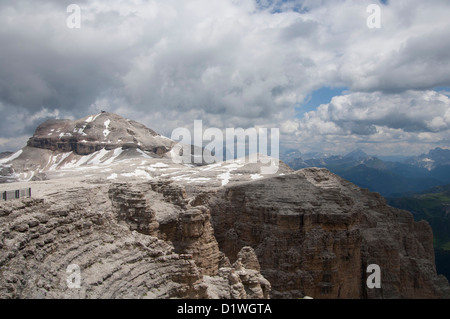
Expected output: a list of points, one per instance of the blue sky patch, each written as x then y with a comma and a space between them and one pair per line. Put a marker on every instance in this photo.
318, 97
443, 89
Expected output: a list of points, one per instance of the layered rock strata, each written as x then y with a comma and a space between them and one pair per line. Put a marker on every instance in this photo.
96, 132
127, 242
315, 234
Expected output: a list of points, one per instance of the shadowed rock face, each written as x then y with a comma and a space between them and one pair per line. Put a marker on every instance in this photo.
96, 132
315, 234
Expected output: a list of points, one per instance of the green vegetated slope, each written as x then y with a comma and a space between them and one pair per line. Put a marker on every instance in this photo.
433, 206
384, 181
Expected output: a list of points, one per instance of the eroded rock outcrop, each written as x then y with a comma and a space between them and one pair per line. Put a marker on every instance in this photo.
162, 210
40, 239
127, 240
242, 280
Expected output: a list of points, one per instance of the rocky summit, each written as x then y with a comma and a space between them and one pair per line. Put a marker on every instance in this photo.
109, 203
102, 131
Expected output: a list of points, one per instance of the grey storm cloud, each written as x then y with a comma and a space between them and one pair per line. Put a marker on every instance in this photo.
230, 63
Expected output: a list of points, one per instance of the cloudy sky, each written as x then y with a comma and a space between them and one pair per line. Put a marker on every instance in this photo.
312, 68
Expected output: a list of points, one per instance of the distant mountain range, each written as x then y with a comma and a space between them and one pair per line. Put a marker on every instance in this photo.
434, 159
389, 178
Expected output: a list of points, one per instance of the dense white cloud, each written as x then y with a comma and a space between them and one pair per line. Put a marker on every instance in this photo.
230, 63
379, 122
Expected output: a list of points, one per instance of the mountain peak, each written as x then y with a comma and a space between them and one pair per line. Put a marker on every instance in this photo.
439, 152
357, 154
95, 132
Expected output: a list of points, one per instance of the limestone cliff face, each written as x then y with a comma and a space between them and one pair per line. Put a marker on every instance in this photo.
128, 241
315, 234
162, 210
40, 239
307, 233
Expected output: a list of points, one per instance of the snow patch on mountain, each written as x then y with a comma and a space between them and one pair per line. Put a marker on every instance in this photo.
12, 157
106, 131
